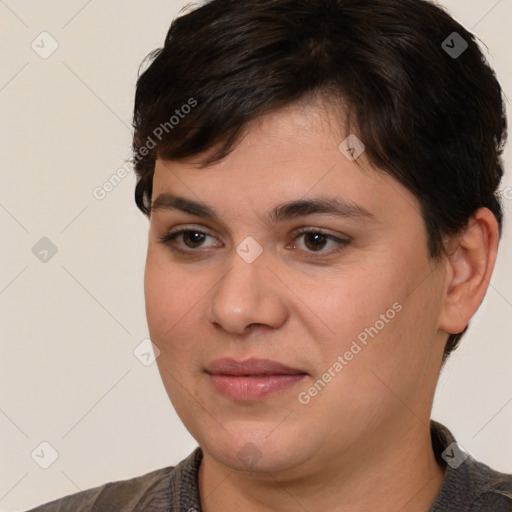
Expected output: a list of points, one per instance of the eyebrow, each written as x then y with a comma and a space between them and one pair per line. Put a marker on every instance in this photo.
285, 211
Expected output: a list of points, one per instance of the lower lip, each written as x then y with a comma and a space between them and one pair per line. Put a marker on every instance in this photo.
255, 388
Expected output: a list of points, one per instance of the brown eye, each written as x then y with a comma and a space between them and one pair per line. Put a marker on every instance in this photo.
190, 238
315, 241
196, 238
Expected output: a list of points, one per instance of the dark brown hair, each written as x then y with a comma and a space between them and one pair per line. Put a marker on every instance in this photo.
432, 119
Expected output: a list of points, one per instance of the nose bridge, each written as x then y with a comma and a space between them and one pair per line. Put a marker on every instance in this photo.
247, 294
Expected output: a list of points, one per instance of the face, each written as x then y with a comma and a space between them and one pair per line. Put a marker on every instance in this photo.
347, 302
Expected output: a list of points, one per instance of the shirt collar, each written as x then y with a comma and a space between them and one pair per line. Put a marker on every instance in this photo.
459, 476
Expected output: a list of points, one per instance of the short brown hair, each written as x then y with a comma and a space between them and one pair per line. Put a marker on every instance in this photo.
432, 120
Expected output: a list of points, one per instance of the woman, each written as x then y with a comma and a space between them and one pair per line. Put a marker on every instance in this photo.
320, 180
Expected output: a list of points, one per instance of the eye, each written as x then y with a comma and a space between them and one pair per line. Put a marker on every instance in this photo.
192, 238
315, 240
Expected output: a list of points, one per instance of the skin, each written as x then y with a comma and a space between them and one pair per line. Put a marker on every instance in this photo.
363, 442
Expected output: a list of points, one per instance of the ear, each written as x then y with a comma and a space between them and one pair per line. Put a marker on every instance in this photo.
470, 262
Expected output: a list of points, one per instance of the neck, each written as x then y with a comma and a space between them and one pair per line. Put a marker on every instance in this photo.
399, 472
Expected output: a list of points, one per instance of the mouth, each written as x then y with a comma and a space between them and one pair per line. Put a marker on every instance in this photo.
252, 379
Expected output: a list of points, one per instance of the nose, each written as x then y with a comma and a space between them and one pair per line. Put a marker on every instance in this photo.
248, 295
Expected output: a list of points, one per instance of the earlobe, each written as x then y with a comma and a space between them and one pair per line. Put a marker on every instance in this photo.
470, 262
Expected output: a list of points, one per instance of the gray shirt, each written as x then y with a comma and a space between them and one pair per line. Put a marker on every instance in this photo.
468, 486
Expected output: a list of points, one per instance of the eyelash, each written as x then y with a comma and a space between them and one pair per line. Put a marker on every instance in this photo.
170, 238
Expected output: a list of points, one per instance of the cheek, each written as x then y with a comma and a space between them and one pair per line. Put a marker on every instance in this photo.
166, 300
175, 303
158, 296
383, 318
383, 338
352, 303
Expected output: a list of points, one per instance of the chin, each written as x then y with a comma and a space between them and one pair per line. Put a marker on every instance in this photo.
257, 448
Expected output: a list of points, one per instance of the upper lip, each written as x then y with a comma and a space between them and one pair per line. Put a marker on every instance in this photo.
253, 366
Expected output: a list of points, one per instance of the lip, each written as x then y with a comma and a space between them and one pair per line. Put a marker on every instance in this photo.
252, 366
252, 379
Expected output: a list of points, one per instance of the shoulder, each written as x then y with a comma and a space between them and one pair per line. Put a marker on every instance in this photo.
149, 490
161, 490
468, 485
494, 489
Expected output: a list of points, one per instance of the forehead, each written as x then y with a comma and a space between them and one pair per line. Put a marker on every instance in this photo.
291, 160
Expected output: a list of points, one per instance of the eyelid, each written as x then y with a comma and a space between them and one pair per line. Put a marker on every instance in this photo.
187, 227
312, 229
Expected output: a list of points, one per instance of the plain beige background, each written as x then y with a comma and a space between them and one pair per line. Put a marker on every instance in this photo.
70, 324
